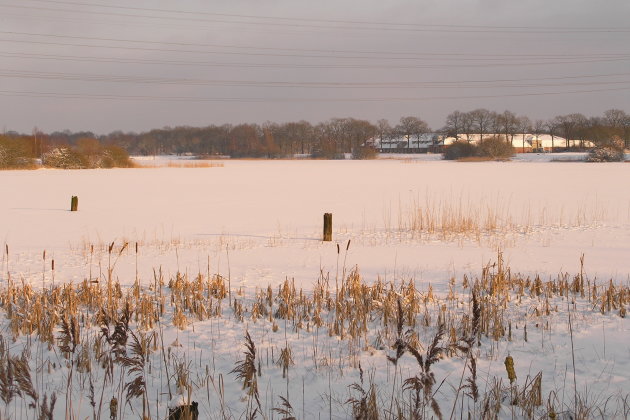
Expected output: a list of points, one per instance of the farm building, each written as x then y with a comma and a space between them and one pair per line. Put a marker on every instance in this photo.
422, 143
528, 143
435, 142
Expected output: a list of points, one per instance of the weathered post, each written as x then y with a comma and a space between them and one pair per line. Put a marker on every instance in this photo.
327, 226
74, 203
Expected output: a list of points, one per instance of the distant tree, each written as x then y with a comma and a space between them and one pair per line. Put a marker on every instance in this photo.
411, 127
330, 138
524, 125
384, 130
468, 125
571, 126
114, 156
15, 152
301, 136
271, 148
582, 127
508, 124
454, 125
38, 142
620, 121
616, 118
565, 126
482, 120
346, 133
245, 140
91, 150
358, 132
552, 129
538, 127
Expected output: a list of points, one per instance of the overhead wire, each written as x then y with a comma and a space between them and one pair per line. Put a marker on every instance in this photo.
309, 22
462, 84
388, 54
495, 61
363, 59
65, 95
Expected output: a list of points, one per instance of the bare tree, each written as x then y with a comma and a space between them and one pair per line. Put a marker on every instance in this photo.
301, 135
468, 125
411, 127
359, 132
573, 126
552, 129
620, 121
538, 127
616, 118
482, 119
524, 125
454, 124
566, 126
384, 130
508, 124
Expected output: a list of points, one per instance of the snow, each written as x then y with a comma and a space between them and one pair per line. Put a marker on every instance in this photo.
261, 220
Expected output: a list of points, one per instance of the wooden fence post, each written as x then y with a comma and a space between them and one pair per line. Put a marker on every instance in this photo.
74, 203
327, 227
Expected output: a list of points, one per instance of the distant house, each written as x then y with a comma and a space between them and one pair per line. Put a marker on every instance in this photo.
528, 143
538, 143
423, 143
435, 143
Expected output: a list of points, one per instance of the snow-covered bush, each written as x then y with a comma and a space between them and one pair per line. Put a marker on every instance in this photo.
64, 158
612, 151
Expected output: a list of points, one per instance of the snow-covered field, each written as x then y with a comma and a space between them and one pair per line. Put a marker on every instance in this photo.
259, 223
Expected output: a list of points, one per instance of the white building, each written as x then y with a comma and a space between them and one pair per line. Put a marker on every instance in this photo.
423, 143
526, 143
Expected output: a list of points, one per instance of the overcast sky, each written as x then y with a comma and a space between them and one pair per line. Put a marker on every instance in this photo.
103, 65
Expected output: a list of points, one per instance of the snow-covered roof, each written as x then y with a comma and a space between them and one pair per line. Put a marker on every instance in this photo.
527, 141
422, 141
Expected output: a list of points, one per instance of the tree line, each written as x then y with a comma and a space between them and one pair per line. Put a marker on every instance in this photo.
328, 139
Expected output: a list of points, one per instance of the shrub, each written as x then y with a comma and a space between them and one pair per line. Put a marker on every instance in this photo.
327, 150
459, 149
605, 154
611, 151
364, 152
115, 157
64, 158
14, 153
495, 148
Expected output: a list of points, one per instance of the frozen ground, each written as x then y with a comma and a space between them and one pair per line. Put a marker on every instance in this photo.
260, 223
269, 214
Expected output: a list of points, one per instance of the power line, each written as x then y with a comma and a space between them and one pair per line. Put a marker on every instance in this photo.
495, 62
462, 84
35, 94
196, 63
276, 20
333, 53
